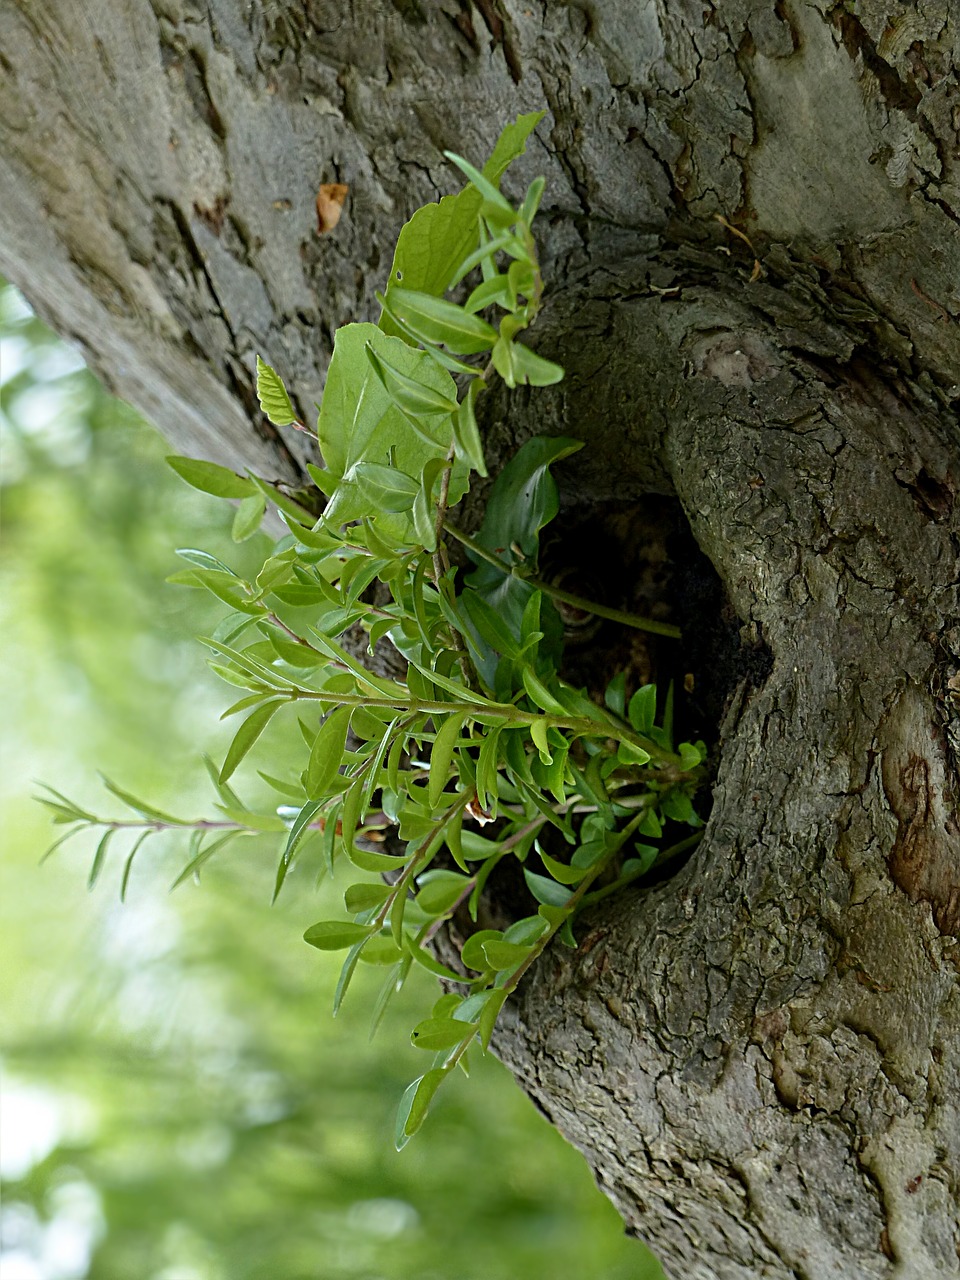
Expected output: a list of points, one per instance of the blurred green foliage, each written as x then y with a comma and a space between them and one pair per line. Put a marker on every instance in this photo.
178, 1104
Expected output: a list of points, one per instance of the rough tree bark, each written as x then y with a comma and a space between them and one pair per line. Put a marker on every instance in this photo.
752, 243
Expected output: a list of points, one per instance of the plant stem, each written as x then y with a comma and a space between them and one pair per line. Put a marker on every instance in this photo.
502, 710
566, 597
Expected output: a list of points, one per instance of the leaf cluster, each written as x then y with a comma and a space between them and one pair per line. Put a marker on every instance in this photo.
423, 786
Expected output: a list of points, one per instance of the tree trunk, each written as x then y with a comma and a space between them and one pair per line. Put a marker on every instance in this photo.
752, 244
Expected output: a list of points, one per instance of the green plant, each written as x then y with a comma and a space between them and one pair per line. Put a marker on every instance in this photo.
482, 731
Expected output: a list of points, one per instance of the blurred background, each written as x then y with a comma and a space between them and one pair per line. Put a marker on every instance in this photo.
177, 1103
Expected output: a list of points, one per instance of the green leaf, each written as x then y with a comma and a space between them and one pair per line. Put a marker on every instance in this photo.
359, 422
346, 973
528, 930
472, 953
643, 708
438, 237
380, 950
498, 289
511, 144
442, 755
434, 319
337, 935
326, 754
529, 369
415, 398
522, 500
325, 481
424, 513
209, 477
483, 255
385, 487
413, 1105
202, 856
128, 865
249, 515
300, 826
431, 963
496, 207
144, 809
441, 890
64, 807
489, 624
691, 755
225, 586
203, 560
489, 1015
538, 732
434, 1034
546, 891
391, 985
531, 201
273, 397
363, 896
248, 733
466, 433
487, 766
291, 509
538, 693
505, 955
615, 694
678, 806
560, 871
98, 857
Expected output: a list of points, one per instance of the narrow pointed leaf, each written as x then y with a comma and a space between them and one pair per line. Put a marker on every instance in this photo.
436, 320
247, 735
413, 1105
326, 755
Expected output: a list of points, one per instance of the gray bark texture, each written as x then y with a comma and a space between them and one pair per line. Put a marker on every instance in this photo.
752, 241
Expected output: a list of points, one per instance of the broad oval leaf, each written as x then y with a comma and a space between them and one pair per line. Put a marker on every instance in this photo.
364, 895
546, 891
472, 953
441, 890
438, 1033
505, 955
643, 708
337, 935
